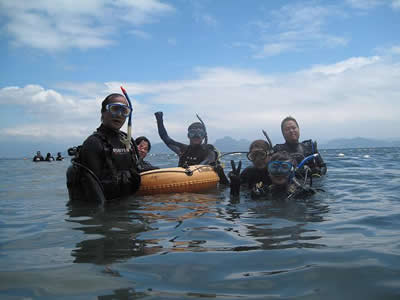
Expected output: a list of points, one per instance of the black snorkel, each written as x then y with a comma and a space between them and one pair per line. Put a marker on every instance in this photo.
268, 139
205, 130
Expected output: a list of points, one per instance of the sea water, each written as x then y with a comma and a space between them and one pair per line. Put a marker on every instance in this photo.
343, 243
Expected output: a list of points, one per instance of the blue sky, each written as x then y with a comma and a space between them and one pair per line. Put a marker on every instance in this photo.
241, 65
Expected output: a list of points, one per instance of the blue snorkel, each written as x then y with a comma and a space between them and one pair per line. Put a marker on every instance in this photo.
308, 158
302, 163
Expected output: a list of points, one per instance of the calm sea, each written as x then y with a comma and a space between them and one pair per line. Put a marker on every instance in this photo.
343, 243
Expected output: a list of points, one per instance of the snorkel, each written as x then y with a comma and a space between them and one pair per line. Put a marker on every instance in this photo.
127, 141
308, 158
205, 130
268, 139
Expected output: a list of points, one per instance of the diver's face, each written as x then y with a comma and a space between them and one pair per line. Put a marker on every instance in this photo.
143, 149
260, 158
279, 180
196, 141
291, 132
114, 121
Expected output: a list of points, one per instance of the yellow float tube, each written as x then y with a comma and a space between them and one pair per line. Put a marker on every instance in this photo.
193, 179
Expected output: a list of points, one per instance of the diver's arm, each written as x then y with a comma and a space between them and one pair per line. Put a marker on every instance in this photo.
92, 155
175, 146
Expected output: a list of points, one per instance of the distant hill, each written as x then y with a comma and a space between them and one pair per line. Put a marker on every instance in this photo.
226, 144
358, 142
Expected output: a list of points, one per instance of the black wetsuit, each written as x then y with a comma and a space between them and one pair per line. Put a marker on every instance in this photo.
252, 175
38, 158
49, 158
104, 154
189, 155
282, 193
299, 151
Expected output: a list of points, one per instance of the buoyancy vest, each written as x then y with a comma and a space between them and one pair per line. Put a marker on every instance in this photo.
195, 154
119, 176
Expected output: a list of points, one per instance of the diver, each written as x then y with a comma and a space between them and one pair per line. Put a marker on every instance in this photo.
284, 185
144, 146
59, 157
298, 151
196, 153
38, 157
49, 157
259, 154
105, 166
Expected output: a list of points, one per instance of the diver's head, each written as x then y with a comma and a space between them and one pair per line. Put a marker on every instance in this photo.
196, 133
143, 145
290, 130
114, 110
280, 168
259, 153
37, 152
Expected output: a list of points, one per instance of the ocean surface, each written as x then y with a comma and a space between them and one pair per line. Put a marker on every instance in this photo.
343, 243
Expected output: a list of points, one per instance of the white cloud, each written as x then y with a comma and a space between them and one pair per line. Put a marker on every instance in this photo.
365, 4
396, 4
297, 27
355, 97
206, 19
353, 63
141, 34
172, 41
57, 25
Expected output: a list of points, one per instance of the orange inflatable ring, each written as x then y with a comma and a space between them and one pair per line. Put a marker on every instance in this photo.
195, 178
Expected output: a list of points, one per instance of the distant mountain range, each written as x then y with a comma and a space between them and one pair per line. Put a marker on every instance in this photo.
359, 142
226, 144
229, 144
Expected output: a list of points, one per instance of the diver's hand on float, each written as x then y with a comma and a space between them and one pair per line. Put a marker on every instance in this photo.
234, 177
159, 115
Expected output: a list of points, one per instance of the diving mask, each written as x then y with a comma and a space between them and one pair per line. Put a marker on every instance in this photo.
118, 109
257, 155
280, 168
196, 133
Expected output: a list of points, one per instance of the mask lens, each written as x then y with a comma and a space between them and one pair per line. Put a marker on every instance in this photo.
199, 133
279, 168
118, 109
258, 154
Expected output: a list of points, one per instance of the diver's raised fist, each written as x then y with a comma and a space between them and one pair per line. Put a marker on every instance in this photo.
158, 115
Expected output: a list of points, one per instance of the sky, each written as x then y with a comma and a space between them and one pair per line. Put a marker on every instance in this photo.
241, 65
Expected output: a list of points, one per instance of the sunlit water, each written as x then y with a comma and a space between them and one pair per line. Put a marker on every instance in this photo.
343, 243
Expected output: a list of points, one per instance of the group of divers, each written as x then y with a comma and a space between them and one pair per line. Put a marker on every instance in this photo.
109, 162
39, 157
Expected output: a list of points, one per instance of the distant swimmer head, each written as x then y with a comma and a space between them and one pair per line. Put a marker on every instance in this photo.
143, 145
114, 110
290, 130
280, 168
259, 153
196, 133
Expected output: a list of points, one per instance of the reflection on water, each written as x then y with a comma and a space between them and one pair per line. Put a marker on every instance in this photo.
111, 232
191, 246
191, 222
